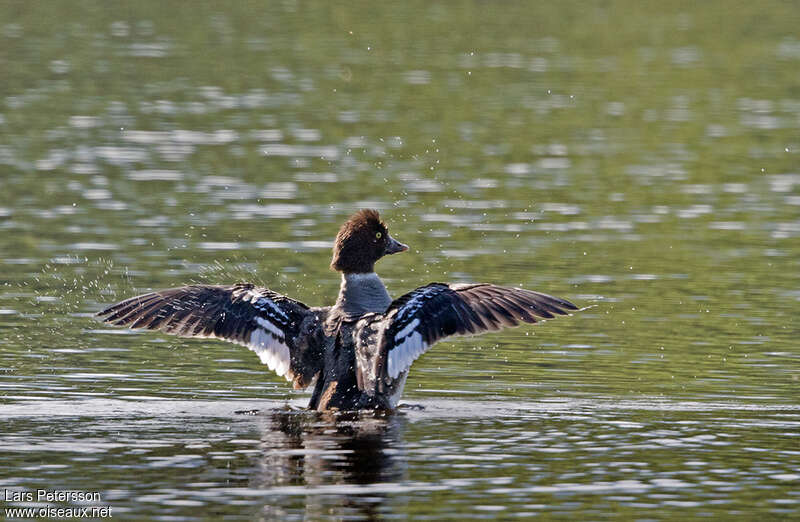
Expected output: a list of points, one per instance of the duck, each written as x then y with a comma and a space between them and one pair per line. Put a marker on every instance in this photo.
357, 353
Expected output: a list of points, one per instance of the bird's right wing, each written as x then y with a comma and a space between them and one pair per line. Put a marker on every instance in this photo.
420, 318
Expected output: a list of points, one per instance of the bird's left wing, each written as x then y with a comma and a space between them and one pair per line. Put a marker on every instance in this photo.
274, 326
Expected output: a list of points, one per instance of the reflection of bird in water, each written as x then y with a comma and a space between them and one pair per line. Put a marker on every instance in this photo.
332, 456
360, 350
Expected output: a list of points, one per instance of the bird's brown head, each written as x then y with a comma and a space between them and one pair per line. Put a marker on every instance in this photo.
361, 241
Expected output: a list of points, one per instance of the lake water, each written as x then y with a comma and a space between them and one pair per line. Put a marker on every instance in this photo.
636, 158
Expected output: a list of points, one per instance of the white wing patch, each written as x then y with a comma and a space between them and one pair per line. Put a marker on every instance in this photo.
408, 343
269, 344
405, 353
405, 332
268, 326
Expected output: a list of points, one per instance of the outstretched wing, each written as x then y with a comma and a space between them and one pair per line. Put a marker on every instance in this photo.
415, 321
274, 326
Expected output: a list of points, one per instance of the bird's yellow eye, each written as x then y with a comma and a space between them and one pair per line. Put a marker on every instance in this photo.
378, 235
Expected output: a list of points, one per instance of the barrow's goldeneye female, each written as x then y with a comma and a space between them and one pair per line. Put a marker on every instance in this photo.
360, 349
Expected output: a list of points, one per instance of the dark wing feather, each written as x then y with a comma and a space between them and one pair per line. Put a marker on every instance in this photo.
274, 326
415, 321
